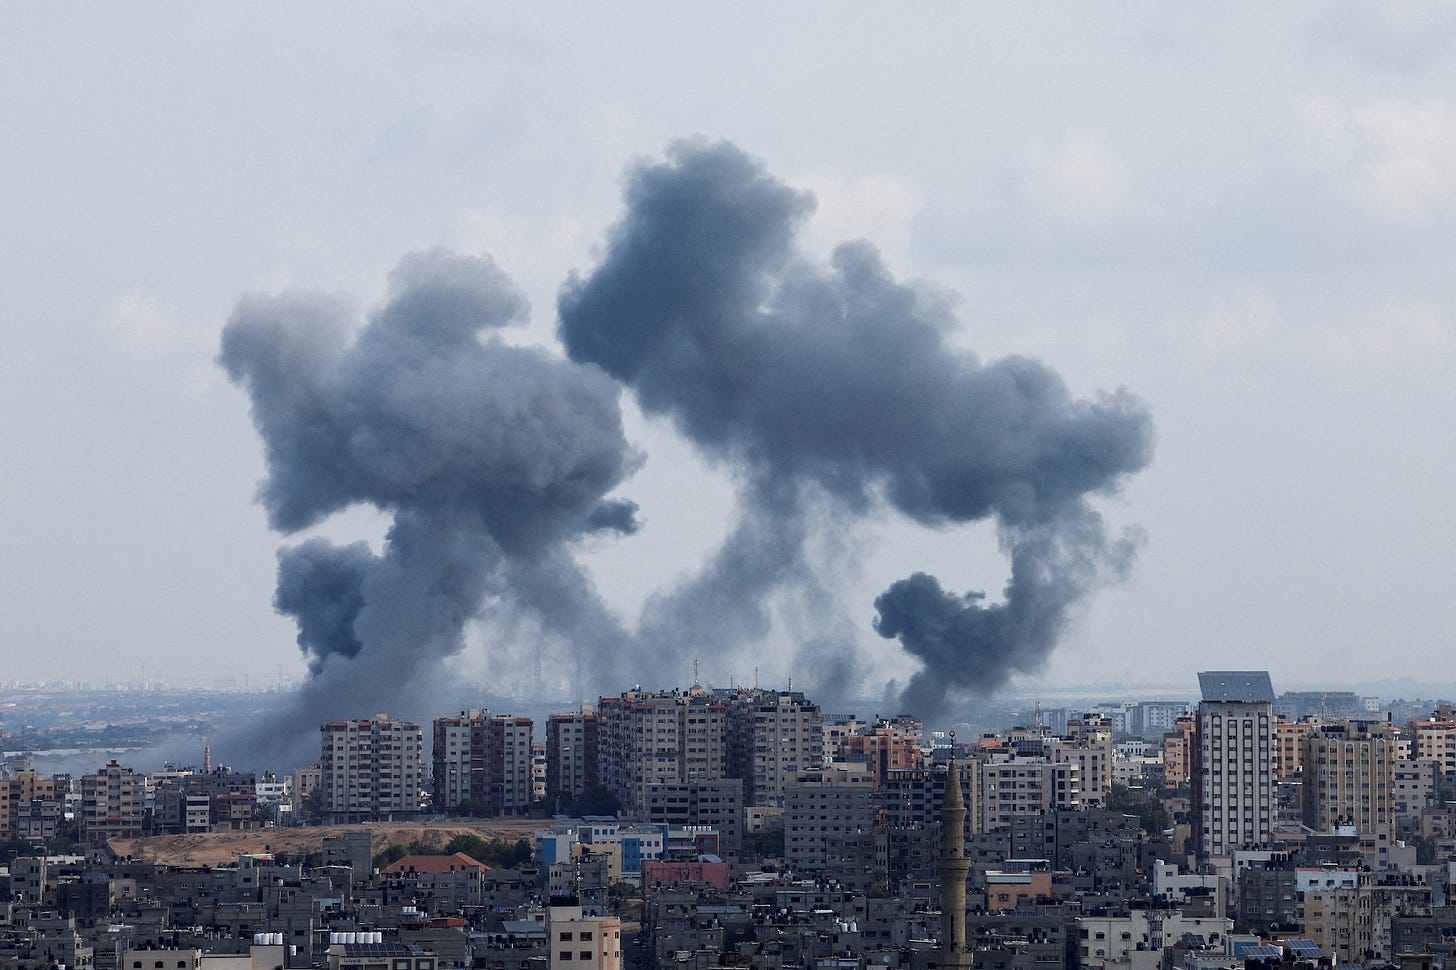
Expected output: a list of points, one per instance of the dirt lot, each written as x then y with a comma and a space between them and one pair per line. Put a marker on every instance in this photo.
216, 848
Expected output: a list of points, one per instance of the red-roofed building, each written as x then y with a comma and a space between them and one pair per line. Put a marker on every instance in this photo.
438, 883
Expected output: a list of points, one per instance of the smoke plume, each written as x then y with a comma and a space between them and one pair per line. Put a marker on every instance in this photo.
837, 383
491, 459
830, 394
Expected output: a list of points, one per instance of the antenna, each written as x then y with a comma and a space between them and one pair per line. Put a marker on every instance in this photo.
696, 681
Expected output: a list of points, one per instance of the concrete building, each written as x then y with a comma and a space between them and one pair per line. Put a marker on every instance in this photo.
886, 746
576, 941
1289, 744
1026, 786
571, 756
1088, 745
369, 770
1178, 753
773, 736
1435, 740
113, 801
25, 790
823, 805
1233, 762
1349, 779
482, 762
660, 738
717, 804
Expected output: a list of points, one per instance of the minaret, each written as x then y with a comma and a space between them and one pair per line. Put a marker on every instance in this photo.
954, 868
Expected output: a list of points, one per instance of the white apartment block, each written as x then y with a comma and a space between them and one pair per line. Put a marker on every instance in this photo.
1026, 786
1234, 762
369, 770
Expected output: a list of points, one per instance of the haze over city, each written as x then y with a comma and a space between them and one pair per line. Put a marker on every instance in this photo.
1153, 304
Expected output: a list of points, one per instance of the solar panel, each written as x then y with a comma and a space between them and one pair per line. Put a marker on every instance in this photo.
1304, 949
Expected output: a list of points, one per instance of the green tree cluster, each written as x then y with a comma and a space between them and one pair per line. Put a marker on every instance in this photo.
1149, 811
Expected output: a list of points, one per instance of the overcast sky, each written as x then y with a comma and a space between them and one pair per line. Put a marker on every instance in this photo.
1244, 217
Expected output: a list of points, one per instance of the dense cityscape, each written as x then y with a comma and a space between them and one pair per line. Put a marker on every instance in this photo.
746, 827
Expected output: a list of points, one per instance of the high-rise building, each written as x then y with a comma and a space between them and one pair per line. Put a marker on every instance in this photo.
113, 801
660, 738
571, 756
482, 762
822, 806
1234, 761
773, 736
369, 770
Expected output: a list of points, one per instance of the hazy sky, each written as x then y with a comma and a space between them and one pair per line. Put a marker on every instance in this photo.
1245, 217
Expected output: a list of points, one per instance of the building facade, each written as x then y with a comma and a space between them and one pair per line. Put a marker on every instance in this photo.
369, 770
1234, 762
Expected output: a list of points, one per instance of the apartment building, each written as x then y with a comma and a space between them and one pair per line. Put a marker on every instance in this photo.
1026, 786
482, 762
1289, 738
1233, 762
886, 746
571, 756
823, 806
660, 738
773, 736
714, 804
113, 801
35, 798
1178, 753
369, 770
1435, 740
578, 942
1349, 778
1088, 745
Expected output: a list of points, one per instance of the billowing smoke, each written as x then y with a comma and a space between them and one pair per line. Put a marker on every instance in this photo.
490, 457
830, 393
837, 383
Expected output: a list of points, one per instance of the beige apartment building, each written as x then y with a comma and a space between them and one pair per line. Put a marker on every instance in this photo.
369, 770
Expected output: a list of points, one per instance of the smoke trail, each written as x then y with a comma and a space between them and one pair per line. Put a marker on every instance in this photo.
490, 457
837, 382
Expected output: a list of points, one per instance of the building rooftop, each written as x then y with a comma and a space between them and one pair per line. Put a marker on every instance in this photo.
1248, 686
459, 862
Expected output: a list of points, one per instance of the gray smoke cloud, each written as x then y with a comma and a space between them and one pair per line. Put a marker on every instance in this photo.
491, 458
837, 383
830, 393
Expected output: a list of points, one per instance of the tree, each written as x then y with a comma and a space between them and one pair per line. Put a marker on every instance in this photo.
1149, 811
594, 800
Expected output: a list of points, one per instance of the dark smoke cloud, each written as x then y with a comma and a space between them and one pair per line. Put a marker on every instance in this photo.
838, 382
490, 457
